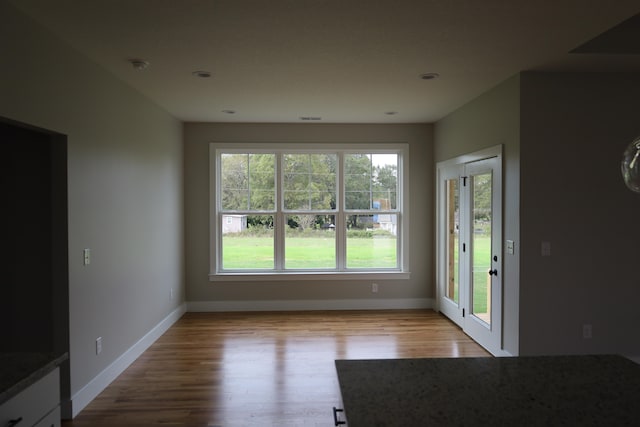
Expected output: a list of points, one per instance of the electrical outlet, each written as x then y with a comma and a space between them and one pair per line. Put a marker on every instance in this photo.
98, 345
545, 249
587, 332
374, 288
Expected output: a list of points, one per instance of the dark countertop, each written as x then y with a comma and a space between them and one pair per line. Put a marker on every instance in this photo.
524, 391
20, 370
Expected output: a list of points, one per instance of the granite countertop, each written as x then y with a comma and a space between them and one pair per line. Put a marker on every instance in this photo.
530, 391
20, 370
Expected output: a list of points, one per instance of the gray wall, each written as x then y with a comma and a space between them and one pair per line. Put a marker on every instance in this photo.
574, 130
197, 137
491, 119
125, 189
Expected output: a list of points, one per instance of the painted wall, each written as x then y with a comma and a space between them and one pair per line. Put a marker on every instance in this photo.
326, 294
491, 119
574, 130
125, 190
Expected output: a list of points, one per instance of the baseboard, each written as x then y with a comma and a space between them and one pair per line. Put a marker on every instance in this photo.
89, 392
502, 353
304, 305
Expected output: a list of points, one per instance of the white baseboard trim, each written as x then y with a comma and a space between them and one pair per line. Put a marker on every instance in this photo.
502, 353
89, 392
303, 305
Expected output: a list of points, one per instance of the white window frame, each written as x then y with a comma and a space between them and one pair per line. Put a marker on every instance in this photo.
215, 218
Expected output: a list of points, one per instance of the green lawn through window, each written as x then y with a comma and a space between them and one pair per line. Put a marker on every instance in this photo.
307, 252
481, 264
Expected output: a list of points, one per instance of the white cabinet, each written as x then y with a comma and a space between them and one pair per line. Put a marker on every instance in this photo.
36, 406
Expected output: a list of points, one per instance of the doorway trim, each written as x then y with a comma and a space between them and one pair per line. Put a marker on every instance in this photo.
443, 169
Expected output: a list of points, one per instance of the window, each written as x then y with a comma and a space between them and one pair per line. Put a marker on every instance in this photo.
325, 210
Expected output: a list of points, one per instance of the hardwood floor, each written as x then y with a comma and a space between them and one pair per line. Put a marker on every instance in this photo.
263, 369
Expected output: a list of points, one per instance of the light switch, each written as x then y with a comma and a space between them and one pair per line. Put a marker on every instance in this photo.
510, 247
87, 256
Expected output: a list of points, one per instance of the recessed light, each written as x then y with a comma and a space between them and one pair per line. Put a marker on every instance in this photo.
429, 76
139, 64
202, 74
229, 111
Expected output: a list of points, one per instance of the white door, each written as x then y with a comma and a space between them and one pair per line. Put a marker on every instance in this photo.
450, 245
470, 248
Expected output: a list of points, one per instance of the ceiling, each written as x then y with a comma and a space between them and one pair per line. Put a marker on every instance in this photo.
338, 61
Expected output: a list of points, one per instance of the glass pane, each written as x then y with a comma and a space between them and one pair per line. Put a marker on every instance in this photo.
481, 255
310, 242
371, 241
247, 181
371, 181
262, 181
453, 240
385, 180
357, 181
247, 242
234, 181
309, 181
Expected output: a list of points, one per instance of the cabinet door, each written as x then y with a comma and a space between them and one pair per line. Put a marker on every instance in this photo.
34, 403
51, 420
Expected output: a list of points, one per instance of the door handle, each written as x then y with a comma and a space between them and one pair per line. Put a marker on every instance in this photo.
493, 272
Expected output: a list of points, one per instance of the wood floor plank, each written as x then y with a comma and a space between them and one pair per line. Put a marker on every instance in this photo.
263, 369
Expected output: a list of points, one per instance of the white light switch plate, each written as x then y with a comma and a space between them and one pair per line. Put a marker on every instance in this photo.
510, 247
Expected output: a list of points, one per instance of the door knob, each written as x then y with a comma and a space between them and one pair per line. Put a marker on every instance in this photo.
493, 272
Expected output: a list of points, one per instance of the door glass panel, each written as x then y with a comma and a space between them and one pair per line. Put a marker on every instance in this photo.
453, 239
481, 186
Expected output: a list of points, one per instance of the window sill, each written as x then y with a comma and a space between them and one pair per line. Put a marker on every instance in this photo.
304, 276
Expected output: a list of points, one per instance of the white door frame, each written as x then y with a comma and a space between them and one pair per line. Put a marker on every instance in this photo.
490, 336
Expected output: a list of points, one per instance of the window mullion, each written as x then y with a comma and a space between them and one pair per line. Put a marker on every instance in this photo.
370, 182
279, 220
248, 181
399, 251
309, 169
341, 237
